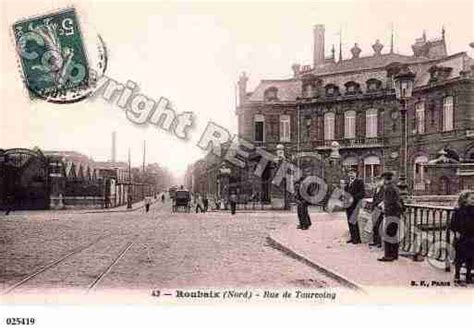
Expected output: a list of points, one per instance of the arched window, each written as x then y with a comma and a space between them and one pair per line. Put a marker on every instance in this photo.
372, 168
331, 90
271, 94
352, 87
329, 126
419, 172
373, 85
349, 124
371, 123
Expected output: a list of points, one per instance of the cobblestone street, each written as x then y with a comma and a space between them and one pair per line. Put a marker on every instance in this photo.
134, 250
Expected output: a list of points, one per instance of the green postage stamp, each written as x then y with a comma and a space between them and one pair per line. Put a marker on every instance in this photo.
52, 54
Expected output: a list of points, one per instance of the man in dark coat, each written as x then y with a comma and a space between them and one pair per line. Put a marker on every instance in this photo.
393, 209
377, 214
233, 203
302, 209
356, 188
463, 224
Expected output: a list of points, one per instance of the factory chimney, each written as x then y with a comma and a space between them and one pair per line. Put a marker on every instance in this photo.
318, 53
114, 141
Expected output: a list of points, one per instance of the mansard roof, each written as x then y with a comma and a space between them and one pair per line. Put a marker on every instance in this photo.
360, 70
287, 89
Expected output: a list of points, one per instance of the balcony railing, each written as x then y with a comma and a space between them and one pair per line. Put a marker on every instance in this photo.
350, 143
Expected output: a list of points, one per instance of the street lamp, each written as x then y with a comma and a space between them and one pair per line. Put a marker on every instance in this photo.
224, 174
280, 157
403, 81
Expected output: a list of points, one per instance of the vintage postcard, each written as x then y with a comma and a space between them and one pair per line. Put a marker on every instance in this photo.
261, 154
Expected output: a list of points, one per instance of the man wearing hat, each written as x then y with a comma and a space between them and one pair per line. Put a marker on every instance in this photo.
302, 209
377, 211
393, 209
356, 188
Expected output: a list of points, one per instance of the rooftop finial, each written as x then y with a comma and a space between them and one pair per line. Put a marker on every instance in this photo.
355, 51
340, 44
443, 32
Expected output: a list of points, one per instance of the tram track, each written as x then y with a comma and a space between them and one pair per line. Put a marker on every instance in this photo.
78, 257
102, 275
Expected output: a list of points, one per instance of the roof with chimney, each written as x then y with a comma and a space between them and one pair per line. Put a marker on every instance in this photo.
287, 89
429, 59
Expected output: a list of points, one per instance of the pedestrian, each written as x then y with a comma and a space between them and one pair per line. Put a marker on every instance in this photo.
356, 189
199, 203
302, 209
163, 198
205, 201
147, 204
393, 209
10, 202
233, 203
377, 212
463, 224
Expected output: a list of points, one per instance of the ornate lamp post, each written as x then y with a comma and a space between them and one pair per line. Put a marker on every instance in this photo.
404, 82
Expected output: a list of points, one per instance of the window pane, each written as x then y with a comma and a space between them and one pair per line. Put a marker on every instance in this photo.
258, 131
371, 126
420, 117
448, 114
349, 124
329, 119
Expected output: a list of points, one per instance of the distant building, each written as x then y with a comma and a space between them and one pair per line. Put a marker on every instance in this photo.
35, 179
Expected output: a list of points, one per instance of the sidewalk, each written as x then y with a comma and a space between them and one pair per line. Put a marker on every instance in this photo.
136, 205
324, 247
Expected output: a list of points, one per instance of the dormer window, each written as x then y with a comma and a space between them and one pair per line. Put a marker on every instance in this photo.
373, 85
332, 90
352, 88
438, 73
271, 94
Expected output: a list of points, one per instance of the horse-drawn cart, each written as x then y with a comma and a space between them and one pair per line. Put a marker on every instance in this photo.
182, 201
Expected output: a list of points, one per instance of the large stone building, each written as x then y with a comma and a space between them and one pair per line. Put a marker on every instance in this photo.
352, 101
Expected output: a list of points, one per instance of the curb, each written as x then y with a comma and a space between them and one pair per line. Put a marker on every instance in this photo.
103, 211
321, 268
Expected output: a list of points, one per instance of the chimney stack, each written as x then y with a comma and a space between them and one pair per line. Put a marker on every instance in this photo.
318, 53
242, 86
114, 146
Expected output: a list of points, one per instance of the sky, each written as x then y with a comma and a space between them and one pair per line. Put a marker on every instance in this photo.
192, 53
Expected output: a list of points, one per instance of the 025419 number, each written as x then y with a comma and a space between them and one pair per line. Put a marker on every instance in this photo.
20, 321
